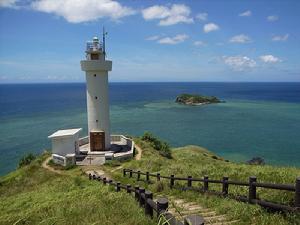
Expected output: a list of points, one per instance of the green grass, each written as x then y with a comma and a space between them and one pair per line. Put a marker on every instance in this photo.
197, 162
33, 195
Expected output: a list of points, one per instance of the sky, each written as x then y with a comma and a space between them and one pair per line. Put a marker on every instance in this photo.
43, 41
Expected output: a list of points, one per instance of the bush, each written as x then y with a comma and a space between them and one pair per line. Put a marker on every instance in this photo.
26, 160
161, 146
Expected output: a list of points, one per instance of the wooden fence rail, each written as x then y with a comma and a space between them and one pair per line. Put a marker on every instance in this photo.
145, 200
225, 182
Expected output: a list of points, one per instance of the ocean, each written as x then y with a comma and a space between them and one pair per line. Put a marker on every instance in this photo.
257, 119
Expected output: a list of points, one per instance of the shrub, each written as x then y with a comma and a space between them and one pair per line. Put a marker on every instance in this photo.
147, 136
26, 160
161, 146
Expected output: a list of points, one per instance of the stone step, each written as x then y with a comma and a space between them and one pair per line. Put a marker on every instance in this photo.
226, 222
219, 218
203, 214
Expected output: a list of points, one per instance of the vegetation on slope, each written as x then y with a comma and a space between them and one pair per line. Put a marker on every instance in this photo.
189, 99
161, 146
33, 195
197, 162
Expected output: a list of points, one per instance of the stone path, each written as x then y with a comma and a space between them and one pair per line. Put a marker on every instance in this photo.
181, 208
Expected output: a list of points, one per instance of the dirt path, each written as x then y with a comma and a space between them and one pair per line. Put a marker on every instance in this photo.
47, 167
138, 156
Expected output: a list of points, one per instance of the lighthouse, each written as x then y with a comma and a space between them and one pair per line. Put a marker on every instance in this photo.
96, 69
99, 146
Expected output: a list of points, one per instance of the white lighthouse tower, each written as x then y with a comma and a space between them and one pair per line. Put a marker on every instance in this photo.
96, 68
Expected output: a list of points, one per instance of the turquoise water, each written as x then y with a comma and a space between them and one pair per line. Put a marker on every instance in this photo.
256, 120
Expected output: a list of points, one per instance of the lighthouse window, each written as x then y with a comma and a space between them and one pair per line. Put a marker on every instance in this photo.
95, 75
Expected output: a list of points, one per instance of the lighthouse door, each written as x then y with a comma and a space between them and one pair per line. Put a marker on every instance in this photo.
97, 141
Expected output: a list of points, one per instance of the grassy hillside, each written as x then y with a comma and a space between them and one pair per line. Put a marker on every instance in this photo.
32, 195
197, 162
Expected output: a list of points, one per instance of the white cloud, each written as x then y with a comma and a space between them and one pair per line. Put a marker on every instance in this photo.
269, 59
177, 13
272, 18
199, 43
246, 13
153, 38
280, 38
239, 63
83, 10
210, 27
202, 16
8, 3
242, 38
173, 40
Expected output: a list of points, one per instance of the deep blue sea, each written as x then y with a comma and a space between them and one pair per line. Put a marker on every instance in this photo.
258, 119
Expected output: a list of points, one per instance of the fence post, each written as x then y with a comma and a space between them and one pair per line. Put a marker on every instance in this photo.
104, 180
205, 183
297, 192
138, 175
162, 205
225, 186
99, 178
90, 176
141, 199
172, 181
148, 208
147, 177
158, 176
128, 188
130, 173
118, 188
136, 192
189, 181
252, 189
124, 172
94, 177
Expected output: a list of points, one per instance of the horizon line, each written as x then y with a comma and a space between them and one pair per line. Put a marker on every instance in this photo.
83, 82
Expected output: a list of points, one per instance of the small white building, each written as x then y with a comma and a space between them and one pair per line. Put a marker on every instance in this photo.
65, 146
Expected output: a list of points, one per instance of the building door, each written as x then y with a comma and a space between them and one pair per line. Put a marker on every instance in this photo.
97, 141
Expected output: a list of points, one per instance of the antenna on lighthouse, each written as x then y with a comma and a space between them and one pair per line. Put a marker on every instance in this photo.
104, 34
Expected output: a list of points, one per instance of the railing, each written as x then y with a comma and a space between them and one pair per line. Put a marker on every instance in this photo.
252, 185
145, 199
83, 141
91, 46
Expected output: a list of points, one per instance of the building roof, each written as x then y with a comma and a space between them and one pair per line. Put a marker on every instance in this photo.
65, 133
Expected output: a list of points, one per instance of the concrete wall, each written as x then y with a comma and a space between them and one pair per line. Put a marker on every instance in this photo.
65, 145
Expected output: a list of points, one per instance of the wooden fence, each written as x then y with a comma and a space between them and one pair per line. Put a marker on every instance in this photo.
225, 182
145, 199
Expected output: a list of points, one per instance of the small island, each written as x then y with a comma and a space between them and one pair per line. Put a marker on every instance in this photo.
192, 99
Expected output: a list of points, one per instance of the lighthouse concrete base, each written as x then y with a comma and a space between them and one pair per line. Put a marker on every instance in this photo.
121, 148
